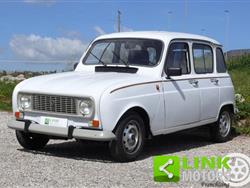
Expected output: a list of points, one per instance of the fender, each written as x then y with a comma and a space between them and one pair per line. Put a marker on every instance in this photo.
114, 105
127, 108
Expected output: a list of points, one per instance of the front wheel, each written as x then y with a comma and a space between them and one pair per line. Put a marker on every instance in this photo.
221, 130
31, 141
130, 135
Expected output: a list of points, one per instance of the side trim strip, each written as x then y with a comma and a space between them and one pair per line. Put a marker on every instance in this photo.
168, 80
137, 84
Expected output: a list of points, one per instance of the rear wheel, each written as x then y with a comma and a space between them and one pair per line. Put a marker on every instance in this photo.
220, 131
31, 141
130, 135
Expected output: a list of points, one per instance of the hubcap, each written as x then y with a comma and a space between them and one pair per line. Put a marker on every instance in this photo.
224, 123
131, 137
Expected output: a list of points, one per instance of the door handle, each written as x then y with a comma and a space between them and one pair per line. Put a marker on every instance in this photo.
194, 82
214, 80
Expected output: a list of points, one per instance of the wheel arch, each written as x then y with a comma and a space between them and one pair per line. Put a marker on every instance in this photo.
143, 113
229, 105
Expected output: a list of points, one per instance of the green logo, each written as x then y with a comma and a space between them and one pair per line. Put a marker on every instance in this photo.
166, 169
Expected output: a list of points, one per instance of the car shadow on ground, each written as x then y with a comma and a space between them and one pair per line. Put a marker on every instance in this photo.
98, 151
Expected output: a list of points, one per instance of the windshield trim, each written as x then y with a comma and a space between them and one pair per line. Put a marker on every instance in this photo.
125, 38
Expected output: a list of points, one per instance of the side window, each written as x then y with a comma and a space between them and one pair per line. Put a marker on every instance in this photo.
203, 58
178, 57
220, 62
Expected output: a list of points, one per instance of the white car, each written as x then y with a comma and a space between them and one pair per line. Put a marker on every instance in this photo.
128, 87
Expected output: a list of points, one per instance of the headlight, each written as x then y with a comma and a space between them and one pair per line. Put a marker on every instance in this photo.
86, 107
24, 102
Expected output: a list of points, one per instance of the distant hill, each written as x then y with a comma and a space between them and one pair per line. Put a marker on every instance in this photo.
237, 53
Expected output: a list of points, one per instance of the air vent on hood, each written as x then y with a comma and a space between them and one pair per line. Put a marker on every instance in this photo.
116, 69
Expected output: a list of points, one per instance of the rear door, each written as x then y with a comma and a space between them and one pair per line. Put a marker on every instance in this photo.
203, 60
181, 93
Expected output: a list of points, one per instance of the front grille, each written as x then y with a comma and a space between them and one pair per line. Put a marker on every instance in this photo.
57, 104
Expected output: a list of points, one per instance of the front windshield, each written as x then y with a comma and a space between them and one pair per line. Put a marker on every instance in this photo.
141, 52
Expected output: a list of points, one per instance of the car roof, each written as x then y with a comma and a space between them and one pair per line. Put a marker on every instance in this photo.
161, 35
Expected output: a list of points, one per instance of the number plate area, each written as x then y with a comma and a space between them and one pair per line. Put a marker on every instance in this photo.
55, 122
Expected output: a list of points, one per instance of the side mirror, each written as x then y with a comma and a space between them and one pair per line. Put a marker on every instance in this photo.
172, 71
75, 65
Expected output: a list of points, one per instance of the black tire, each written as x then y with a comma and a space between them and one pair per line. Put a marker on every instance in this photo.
119, 148
80, 141
85, 142
31, 141
216, 130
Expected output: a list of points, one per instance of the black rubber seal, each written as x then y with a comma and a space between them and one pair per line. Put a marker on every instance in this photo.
26, 126
70, 131
116, 69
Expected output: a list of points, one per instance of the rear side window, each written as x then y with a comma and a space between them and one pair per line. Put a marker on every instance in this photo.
178, 57
203, 58
220, 62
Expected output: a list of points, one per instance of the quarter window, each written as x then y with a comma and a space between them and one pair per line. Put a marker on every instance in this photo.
178, 57
220, 62
203, 58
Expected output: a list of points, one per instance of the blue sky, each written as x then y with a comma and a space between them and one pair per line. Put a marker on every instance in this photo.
45, 35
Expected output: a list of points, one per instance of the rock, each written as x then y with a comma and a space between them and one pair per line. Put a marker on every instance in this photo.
20, 77
10, 78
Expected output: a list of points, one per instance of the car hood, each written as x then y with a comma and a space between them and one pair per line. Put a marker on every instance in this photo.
78, 83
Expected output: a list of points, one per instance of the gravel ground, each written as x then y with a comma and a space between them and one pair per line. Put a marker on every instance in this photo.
72, 164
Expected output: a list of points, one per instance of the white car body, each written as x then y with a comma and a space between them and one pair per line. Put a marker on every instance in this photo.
169, 104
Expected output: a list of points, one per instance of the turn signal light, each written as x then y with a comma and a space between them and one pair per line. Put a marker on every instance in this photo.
17, 115
94, 123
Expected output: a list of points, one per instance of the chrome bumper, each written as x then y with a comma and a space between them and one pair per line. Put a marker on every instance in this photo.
62, 132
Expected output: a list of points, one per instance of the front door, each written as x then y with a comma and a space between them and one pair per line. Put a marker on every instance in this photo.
181, 93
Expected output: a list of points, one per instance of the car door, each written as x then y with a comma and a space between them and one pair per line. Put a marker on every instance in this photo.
181, 93
203, 60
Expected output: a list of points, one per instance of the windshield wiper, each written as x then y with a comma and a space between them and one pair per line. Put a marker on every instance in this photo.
125, 63
100, 59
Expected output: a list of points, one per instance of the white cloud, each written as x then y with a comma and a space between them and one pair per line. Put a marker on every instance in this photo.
99, 30
73, 34
35, 47
40, 1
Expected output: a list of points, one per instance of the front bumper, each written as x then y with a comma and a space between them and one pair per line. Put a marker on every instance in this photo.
65, 132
